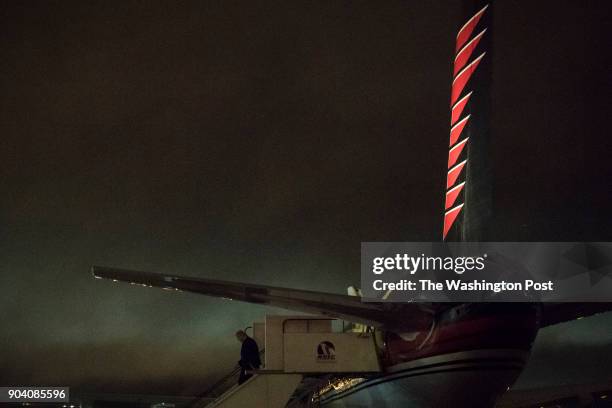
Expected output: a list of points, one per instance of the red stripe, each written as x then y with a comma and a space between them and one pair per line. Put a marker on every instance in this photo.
449, 219
455, 152
456, 130
466, 31
466, 52
462, 78
458, 108
452, 194
453, 174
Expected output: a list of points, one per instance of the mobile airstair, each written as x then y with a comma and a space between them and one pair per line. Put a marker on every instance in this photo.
295, 347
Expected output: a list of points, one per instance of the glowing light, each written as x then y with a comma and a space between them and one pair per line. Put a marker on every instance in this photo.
449, 218
455, 152
453, 174
462, 56
463, 77
463, 69
467, 29
452, 194
458, 108
456, 130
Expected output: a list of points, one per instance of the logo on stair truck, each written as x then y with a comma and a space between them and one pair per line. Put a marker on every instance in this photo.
326, 352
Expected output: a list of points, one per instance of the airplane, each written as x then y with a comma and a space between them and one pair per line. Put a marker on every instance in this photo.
433, 354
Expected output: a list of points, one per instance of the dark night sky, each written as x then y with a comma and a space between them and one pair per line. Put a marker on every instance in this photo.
252, 142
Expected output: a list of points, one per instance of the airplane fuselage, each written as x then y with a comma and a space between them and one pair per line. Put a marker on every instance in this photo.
470, 356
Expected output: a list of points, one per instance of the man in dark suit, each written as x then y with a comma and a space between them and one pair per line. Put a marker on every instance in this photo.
249, 356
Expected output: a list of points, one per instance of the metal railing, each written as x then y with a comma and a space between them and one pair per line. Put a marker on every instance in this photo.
229, 380
220, 386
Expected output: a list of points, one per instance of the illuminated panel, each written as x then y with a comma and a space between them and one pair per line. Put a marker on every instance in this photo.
466, 52
449, 218
466, 31
463, 77
453, 174
463, 69
455, 152
458, 108
456, 130
452, 194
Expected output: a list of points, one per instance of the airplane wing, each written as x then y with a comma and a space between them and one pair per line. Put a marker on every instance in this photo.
391, 316
411, 316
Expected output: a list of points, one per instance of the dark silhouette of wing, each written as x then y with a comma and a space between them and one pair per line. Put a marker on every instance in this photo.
401, 317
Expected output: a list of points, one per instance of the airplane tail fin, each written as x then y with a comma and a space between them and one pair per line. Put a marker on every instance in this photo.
467, 206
